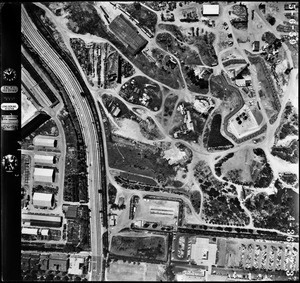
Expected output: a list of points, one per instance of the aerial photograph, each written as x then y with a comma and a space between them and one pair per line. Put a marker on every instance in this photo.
159, 141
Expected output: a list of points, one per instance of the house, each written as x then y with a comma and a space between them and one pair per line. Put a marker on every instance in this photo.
255, 46
211, 10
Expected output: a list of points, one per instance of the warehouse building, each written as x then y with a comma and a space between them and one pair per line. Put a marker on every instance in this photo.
43, 200
211, 10
45, 159
29, 231
128, 34
45, 141
41, 220
44, 175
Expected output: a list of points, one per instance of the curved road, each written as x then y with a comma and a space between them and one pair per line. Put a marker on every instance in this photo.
73, 88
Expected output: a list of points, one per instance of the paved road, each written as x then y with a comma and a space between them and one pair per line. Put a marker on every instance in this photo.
73, 88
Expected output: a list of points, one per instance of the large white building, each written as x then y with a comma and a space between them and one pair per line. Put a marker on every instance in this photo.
29, 231
211, 10
45, 141
45, 159
44, 175
75, 265
42, 200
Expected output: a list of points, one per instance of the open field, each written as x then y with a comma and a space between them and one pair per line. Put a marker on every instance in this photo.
125, 271
139, 246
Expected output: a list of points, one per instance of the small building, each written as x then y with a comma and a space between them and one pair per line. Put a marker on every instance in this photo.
45, 232
44, 175
211, 10
25, 261
44, 159
71, 212
58, 262
44, 262
240, 82
76, 265
29, 231
255, 46
43, 200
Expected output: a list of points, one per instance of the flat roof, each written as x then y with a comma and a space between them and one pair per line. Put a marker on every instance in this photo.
45, 172
42, 196
29, 231
39, 158
209, 9
127, 33
44, 141
41, 217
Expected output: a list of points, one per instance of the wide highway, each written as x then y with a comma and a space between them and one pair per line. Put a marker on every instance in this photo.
74, 90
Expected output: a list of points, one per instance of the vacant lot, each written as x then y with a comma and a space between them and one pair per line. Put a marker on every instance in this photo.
124, 271
140, 247
267, 93
144, 16
140, 159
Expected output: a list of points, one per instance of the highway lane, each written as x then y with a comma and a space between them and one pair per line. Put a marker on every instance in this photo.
73, 88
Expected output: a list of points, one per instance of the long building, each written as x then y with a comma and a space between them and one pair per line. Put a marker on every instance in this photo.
41, 220
45, 159
128, 34
45, 141
44, 175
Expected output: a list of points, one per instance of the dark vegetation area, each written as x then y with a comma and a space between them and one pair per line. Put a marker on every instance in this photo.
220, 204
273, 211
215, 139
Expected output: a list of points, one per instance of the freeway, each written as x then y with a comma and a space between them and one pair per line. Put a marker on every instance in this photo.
74, 90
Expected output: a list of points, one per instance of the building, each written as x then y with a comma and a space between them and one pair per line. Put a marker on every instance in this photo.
45, 141
128, 34
44, 175
58, 262
211, 10
43, 200
44, 262
70, 211
45, 159
45, 232
255, 46
76, 265
29, 231
41, 220
203, 252
240, 82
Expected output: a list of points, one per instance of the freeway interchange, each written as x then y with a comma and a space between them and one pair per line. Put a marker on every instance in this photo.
91, 129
